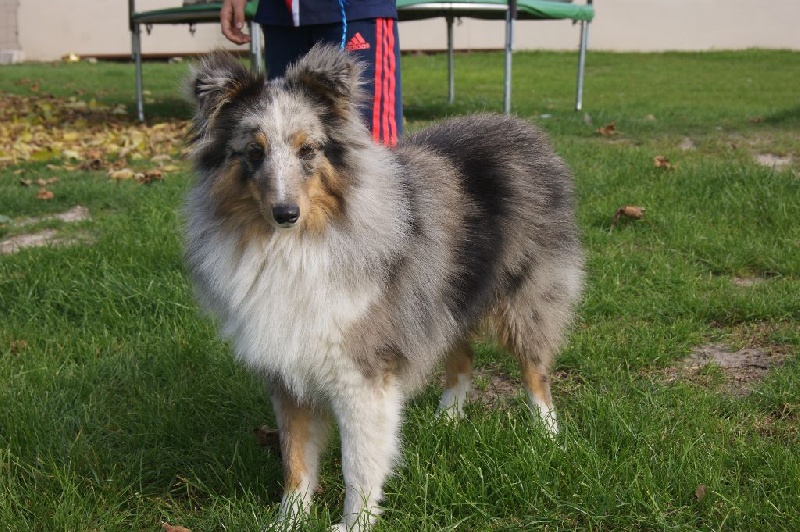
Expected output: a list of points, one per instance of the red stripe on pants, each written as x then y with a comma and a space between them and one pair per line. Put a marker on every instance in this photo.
376, 102
391, 137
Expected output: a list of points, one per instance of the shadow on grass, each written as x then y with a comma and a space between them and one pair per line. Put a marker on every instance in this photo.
784, 117
167, 109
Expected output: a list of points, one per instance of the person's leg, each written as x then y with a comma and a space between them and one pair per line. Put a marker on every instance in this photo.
283, 45
376, 44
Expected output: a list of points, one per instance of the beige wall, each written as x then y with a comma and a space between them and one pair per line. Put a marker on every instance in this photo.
49, 29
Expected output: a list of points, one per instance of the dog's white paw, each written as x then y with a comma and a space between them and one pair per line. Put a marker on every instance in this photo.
451, 403
449, 414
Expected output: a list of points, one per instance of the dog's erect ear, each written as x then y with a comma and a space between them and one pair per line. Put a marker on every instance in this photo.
215, 80
330, 74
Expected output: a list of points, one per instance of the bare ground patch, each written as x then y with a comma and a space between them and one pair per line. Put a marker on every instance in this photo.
47, 237
493, 388
741, 369
78, 213
746, 282
776, 162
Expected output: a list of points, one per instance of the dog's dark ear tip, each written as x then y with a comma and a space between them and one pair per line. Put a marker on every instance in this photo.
330, 73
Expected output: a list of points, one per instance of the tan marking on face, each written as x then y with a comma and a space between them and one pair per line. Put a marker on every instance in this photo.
299, 140
323, 200
458, 363
261, 139
237, 205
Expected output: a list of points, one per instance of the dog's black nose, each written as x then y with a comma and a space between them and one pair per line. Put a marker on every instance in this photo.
285, 214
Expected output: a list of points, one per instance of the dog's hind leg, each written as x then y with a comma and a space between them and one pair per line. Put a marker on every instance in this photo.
369, 418
537, 385
458, 380
303, 434
533, 337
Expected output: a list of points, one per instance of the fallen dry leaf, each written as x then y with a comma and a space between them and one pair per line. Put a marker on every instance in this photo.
608, 130
700, 492
92, 164
26, 182
628, 211
125, 173
18, 345
148, 176
166, 527
659, 161
44, 194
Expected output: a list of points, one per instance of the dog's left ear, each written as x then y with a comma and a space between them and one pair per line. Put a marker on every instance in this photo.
330, 74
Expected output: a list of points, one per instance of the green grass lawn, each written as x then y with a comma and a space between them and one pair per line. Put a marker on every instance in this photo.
120, 409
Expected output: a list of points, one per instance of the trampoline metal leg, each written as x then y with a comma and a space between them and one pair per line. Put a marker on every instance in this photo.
509, 50
582, 64
136, 45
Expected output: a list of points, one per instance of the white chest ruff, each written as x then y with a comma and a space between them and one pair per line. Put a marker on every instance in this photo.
286, 310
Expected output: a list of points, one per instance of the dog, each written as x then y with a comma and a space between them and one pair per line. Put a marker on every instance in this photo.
344, 272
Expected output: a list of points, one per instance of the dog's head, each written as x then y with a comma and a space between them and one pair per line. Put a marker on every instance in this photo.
277, 153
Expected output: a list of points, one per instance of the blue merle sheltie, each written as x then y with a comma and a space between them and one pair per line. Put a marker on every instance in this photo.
344, 272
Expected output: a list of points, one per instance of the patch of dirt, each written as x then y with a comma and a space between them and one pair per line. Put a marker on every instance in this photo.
774, 161
46, 237
741, 369
16, 243
492, 388
79, 213
687, 144
747, 282
783, 423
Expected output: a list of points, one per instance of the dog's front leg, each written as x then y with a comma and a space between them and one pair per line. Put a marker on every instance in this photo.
369, 421
303, 434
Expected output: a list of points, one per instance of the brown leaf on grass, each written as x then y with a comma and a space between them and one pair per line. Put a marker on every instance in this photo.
755, 119
92, 164
148, 176
166, 527
608, 130
118, 175
627, 211
267, 437
700, 492
659, 161
18, 346
44, 194
26, 182
163, 158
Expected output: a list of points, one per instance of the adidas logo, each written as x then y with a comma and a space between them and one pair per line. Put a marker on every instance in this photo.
357, 42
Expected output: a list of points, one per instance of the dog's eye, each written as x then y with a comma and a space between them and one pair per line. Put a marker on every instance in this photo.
306, 152
255, 152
